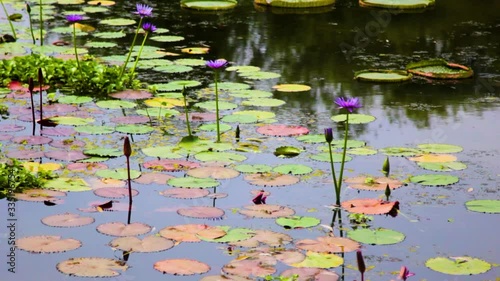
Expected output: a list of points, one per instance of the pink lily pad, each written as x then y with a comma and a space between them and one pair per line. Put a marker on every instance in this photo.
149, 244
121, 229
149, 178
170, 165
114, 192
181, 267
132, 94
67, 143
6, 137
18, 86
311, 273
328, 244
11, 128
59, 108
59, 131
266, 211
201, 212
31, 140
67, 220
283, 130
25, 154
39, 195
185, 193
191, 232
47, 244
86, 167
130, 119
66, 155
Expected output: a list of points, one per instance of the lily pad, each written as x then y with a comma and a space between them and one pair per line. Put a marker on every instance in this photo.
379, 236
213, 127
397, 4
483, 206
240, 118
297, 222
434, 179
134, 129
120, 229
232, 235
67, 220
74, 99
373, 183
250, 267
250, 94
47, 244
225, 157
148, 244
443, 166
401, 151
458, 265
268, 102
253, 169
117, 21
267, 237
370, 206
434, 158
271, 179
91, 267
354, 118
185, 193
292, 169
210, 105
68, 184
167, 38
192, 182
261, 115
201, 212
325, 157
362, 151
259, 75
115, 104
230, 86
328, 244
71, 121
439, 148
181, 267
282, 130
311, 273
382, 75
266, 211
94, 129
291, 88
191, 232
320, 260
439, 68
317, 138
287, 151
110, 35
170, 165
214, 172
173, 68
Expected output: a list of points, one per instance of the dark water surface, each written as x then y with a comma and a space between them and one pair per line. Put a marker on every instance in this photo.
323, 48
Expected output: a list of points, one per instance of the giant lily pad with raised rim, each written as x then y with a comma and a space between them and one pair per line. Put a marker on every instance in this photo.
382, 75
295, 3
397, 4
440, 69
209, 5
458, 265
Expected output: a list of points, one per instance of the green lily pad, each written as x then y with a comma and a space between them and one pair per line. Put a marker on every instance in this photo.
397, 4
251, 94
74, 99
161, 152
439, 148
213, 127
118, 174
312, 138
210, 105
226, 157
173, 68
95, 129
340, 144
68, 184
292, 169
167, 38
134, 129
115, 104
117, 22
442, 166
291, 87
483, 206
434, 179
354, 118
400, 151
158, 112
297, 222
379, 236
263, 102
253, 169
362, 151
440, 69
230, 86
190, 62
192, 182
382, 75
243, 68
94, 9
261, 115
239, 118
259, 75
110, 35
104, 152
184, 83
458, 265
320, 260
71, 121
97, 44
232, 235
147, 64
210, 5
325, 157
287, 151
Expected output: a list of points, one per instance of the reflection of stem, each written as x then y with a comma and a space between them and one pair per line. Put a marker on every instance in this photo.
343, 154
337, 190
130, 51
10, 22
217, 105
341, 234
41, 23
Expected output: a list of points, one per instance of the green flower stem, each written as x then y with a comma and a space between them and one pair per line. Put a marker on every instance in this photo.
343, 155
139, 54
31, 28
131, 49
186, 112
216, 74
74, 44
10, 22
337, 190
41, 22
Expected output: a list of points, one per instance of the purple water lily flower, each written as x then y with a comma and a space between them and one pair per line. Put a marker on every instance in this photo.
74, 18
404, 273
143, 10
149, 27
348, 103
216, 64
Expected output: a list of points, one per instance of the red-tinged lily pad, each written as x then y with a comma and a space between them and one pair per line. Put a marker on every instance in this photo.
64, 132
121, 229
191, 232
67, 220
250, 268
328, 244
170, 165
214, 172
181, 267
153, 177
69, 156
18, 86
271, 179
372, 183
439, 69
47, 244
266, 237
59, 108
282, 130
266, 211
86, 167
135, 119
39, 195
201, 212
114, 192
185, 193
31, 140
311, 274
25, 154
132, 94
68, 144
11, 128
91, 267
225, 278
370, 206
148, 244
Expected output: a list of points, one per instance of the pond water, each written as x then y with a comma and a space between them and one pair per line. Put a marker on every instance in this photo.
321, 48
